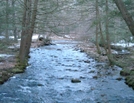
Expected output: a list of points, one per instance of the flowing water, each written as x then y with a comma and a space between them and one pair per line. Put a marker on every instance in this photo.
48, 79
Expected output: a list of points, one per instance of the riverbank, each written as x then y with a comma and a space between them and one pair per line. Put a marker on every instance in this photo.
8, 64
9, 57
62, 74
124, 61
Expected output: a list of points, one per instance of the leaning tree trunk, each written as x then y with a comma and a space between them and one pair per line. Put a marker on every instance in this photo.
33, 19
126, 15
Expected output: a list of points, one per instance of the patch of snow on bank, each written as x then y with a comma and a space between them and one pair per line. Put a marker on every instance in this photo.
5, 55
123, 44
35, 37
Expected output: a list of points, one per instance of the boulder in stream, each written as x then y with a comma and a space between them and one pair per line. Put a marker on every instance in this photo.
75, 80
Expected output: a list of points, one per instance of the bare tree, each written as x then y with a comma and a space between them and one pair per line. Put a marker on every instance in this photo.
126, 15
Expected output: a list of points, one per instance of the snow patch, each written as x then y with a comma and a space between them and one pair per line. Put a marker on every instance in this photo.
122, 44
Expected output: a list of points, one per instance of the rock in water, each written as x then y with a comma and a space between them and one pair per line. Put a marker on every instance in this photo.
75, 80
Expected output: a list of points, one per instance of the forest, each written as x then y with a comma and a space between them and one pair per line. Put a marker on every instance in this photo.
102, 29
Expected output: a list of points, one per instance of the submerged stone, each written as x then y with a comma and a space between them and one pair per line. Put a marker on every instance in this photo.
86, 61
75, 80
119, 78
92, 71
95, 77
40, 84
130, 81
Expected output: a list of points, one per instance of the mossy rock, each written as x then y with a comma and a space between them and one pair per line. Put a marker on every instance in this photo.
75, 80
4, 78
4, 73
132, 72
1, 81
125, 72
130, 81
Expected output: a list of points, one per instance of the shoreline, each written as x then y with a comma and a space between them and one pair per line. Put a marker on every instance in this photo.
126, 62
88, 48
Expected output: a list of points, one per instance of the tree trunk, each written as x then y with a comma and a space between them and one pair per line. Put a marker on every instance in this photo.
22, 51
33, 19
14, 25
102, 39
28, 25
97, 28
27, 31
109, 54
107, 29
7, 20
126, 15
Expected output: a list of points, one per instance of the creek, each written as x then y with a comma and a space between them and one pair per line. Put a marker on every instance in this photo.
48, 79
